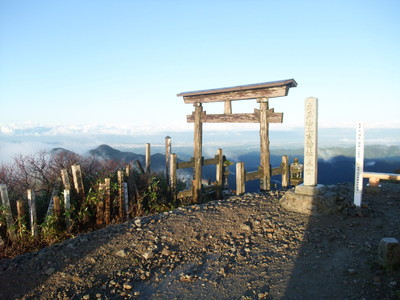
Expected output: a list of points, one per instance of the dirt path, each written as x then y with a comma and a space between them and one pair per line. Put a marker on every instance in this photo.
241, 248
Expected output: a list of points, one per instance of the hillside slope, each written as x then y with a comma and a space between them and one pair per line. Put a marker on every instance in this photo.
239, 248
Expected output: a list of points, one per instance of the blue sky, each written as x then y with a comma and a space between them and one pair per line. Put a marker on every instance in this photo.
119, 64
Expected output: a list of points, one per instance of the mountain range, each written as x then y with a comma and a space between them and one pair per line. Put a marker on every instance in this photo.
337, 167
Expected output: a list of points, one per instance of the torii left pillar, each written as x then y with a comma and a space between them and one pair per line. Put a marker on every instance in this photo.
198, 151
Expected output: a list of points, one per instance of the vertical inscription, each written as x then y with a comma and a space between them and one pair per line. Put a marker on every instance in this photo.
311, 141
359, 169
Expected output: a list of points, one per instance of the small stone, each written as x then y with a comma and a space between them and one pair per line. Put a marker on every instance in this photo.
121, 253
138, 222
127, 286
351, 271
49, 271
137, 293
393, 283
148, 254
389, 252
86, 297
245, 227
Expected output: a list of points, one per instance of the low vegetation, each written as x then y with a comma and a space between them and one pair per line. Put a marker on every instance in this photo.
41, 172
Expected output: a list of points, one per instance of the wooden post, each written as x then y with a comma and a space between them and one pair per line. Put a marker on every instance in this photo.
265, 178
32, 211
126, 200
67, 206
167, 157
65, 179
228, 107
20, 209
285, 171
100, 205
195, 191
198, 149
240, 178
107, 201
21, 215
173, 178
148, 159
121, 194
57, 207
78, 181
219, 176
9, 219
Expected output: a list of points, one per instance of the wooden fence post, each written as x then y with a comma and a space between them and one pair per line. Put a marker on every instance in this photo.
78, 181
148, 159
173, 178
57, 207
285, 171
32, 211
67, 196
8, 214
67, 206
107, 200
121, 194
167, 158
219, 174
21, 215
126, 200
100, 206
240, 178
65, 179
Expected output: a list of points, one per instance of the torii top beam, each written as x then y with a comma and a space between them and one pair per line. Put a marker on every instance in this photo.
252, 91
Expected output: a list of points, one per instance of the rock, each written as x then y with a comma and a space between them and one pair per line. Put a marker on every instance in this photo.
245, 227
389, 252
148, 254
127, 286
121, 253
49, 271
138, 222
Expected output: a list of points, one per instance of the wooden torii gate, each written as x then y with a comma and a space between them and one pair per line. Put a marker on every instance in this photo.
260, 91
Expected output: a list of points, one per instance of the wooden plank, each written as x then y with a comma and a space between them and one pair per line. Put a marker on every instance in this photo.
254, 175
383, 176
237, 118
276, 171
185, 164
240, 95
210, 161
250, 91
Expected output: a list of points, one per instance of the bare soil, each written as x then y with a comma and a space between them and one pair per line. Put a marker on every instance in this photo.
244, 247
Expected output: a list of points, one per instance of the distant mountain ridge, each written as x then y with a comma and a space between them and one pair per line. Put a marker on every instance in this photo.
337, 167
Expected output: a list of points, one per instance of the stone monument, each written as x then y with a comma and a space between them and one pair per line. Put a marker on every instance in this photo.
310, 197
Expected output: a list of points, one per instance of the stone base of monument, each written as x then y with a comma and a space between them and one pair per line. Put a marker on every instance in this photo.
311, 200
